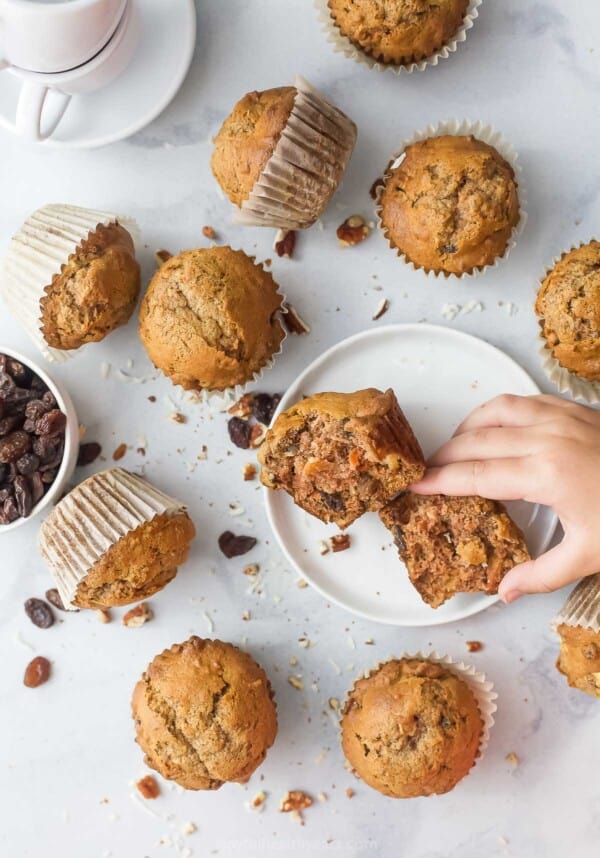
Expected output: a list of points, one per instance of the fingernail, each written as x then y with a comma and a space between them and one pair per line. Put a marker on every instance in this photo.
512, 596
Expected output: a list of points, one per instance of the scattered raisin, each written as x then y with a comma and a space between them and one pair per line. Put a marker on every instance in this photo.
37, 672
234, 546
53, 597
39, 613
239, 432
264, 405
88, 453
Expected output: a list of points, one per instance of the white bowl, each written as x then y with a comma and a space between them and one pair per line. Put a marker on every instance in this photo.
69, 459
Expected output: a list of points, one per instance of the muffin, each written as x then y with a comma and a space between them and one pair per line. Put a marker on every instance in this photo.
453, 545
578, 625
204, 714
71, 277
398, 32
568, 304
281, 154
114, 540
450, 205
210, 319
411, 728
340, 455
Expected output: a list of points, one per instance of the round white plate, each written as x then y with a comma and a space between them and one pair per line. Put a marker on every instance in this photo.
439, 375
138, 95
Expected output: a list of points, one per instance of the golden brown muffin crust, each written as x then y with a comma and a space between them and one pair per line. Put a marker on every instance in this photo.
411, 728
95, 292
248, 138
204, 714
209, 318
399, 31
138, 565
341, 454
579, 658
569, 306
454, 545
451, 204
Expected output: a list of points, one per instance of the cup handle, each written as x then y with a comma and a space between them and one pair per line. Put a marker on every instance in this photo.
30, 110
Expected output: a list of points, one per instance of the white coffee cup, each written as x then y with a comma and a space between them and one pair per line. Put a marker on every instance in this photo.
51, 36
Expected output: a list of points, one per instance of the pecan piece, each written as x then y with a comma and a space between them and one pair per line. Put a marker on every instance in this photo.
352, 231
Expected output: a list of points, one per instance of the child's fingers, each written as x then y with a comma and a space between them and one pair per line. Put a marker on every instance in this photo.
554, 569
499, 479
492, 443
511, 410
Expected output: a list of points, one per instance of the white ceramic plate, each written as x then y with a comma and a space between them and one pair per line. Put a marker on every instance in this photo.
136, 97
438, 375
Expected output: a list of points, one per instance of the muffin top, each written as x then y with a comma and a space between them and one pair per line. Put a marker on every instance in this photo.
398, 31
204, 714
248, 138
569, 306
451, 204
209, 318
95, 292
579, 658
411, 728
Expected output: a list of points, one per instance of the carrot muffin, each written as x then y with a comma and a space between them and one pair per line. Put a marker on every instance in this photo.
204, 714
578, 624
209, 319
568, 305
398, 32
411, 728
281, 154
341, 454
453, 545
114, 540
450, 205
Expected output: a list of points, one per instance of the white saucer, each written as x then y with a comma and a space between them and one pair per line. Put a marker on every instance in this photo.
439, 375
139, 95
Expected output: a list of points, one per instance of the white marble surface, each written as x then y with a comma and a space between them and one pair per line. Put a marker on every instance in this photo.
67, 756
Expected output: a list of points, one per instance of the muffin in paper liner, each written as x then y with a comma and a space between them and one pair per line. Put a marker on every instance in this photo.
306, 167
582, 608
37, 252
481, 688
484, 133
94, 516
342, 44
565, 380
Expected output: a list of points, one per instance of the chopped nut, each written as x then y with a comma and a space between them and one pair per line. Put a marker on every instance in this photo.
296, 683
292, 320
297, 817
323, 547
295, 799
369, 642
302, 583
474, 646
148, 787
339, 542
379, 182
249, 471
352, 231
350, 793
512, 759
243, 407
322, 797
304, 643
334, 703
382, 308
259, 799
208, 232
246, 615
189, 828
251, 569
119, 452
137, 616
285, 241
293, 661
103, 615
176, 417
257, 435
203, 454
162, 256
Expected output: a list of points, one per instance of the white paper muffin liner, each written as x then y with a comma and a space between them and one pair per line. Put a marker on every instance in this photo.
37, 252
482, 688
306, 167
564, 380
342, 44
582, 608
486, 134
93, 517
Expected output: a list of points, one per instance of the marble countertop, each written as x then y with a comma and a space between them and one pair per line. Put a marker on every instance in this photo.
67, 756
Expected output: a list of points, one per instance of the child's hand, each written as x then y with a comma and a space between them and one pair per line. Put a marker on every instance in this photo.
536, 448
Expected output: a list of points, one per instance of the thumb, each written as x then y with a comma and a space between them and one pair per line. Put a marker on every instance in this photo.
551, 571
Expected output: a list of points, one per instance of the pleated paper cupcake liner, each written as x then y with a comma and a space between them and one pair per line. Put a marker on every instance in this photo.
306, 166
486, 134
37, 252
482, 688
582, 608
342, 44
92, 518
565, 380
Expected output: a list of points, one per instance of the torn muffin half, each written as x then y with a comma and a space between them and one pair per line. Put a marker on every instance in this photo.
454, 545
340, 455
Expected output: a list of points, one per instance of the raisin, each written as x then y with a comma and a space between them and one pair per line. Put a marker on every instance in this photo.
53, 596
37, 487
13, 446
39, 613
23, 496
10, 510
52, 423
49, 476
335, 501
45, 448
27, 464
37, 672
3, 473
17, 371
233, 546
49, 399
35, 409
239, 432
264, 405
5, 493
88, 453
8, 423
